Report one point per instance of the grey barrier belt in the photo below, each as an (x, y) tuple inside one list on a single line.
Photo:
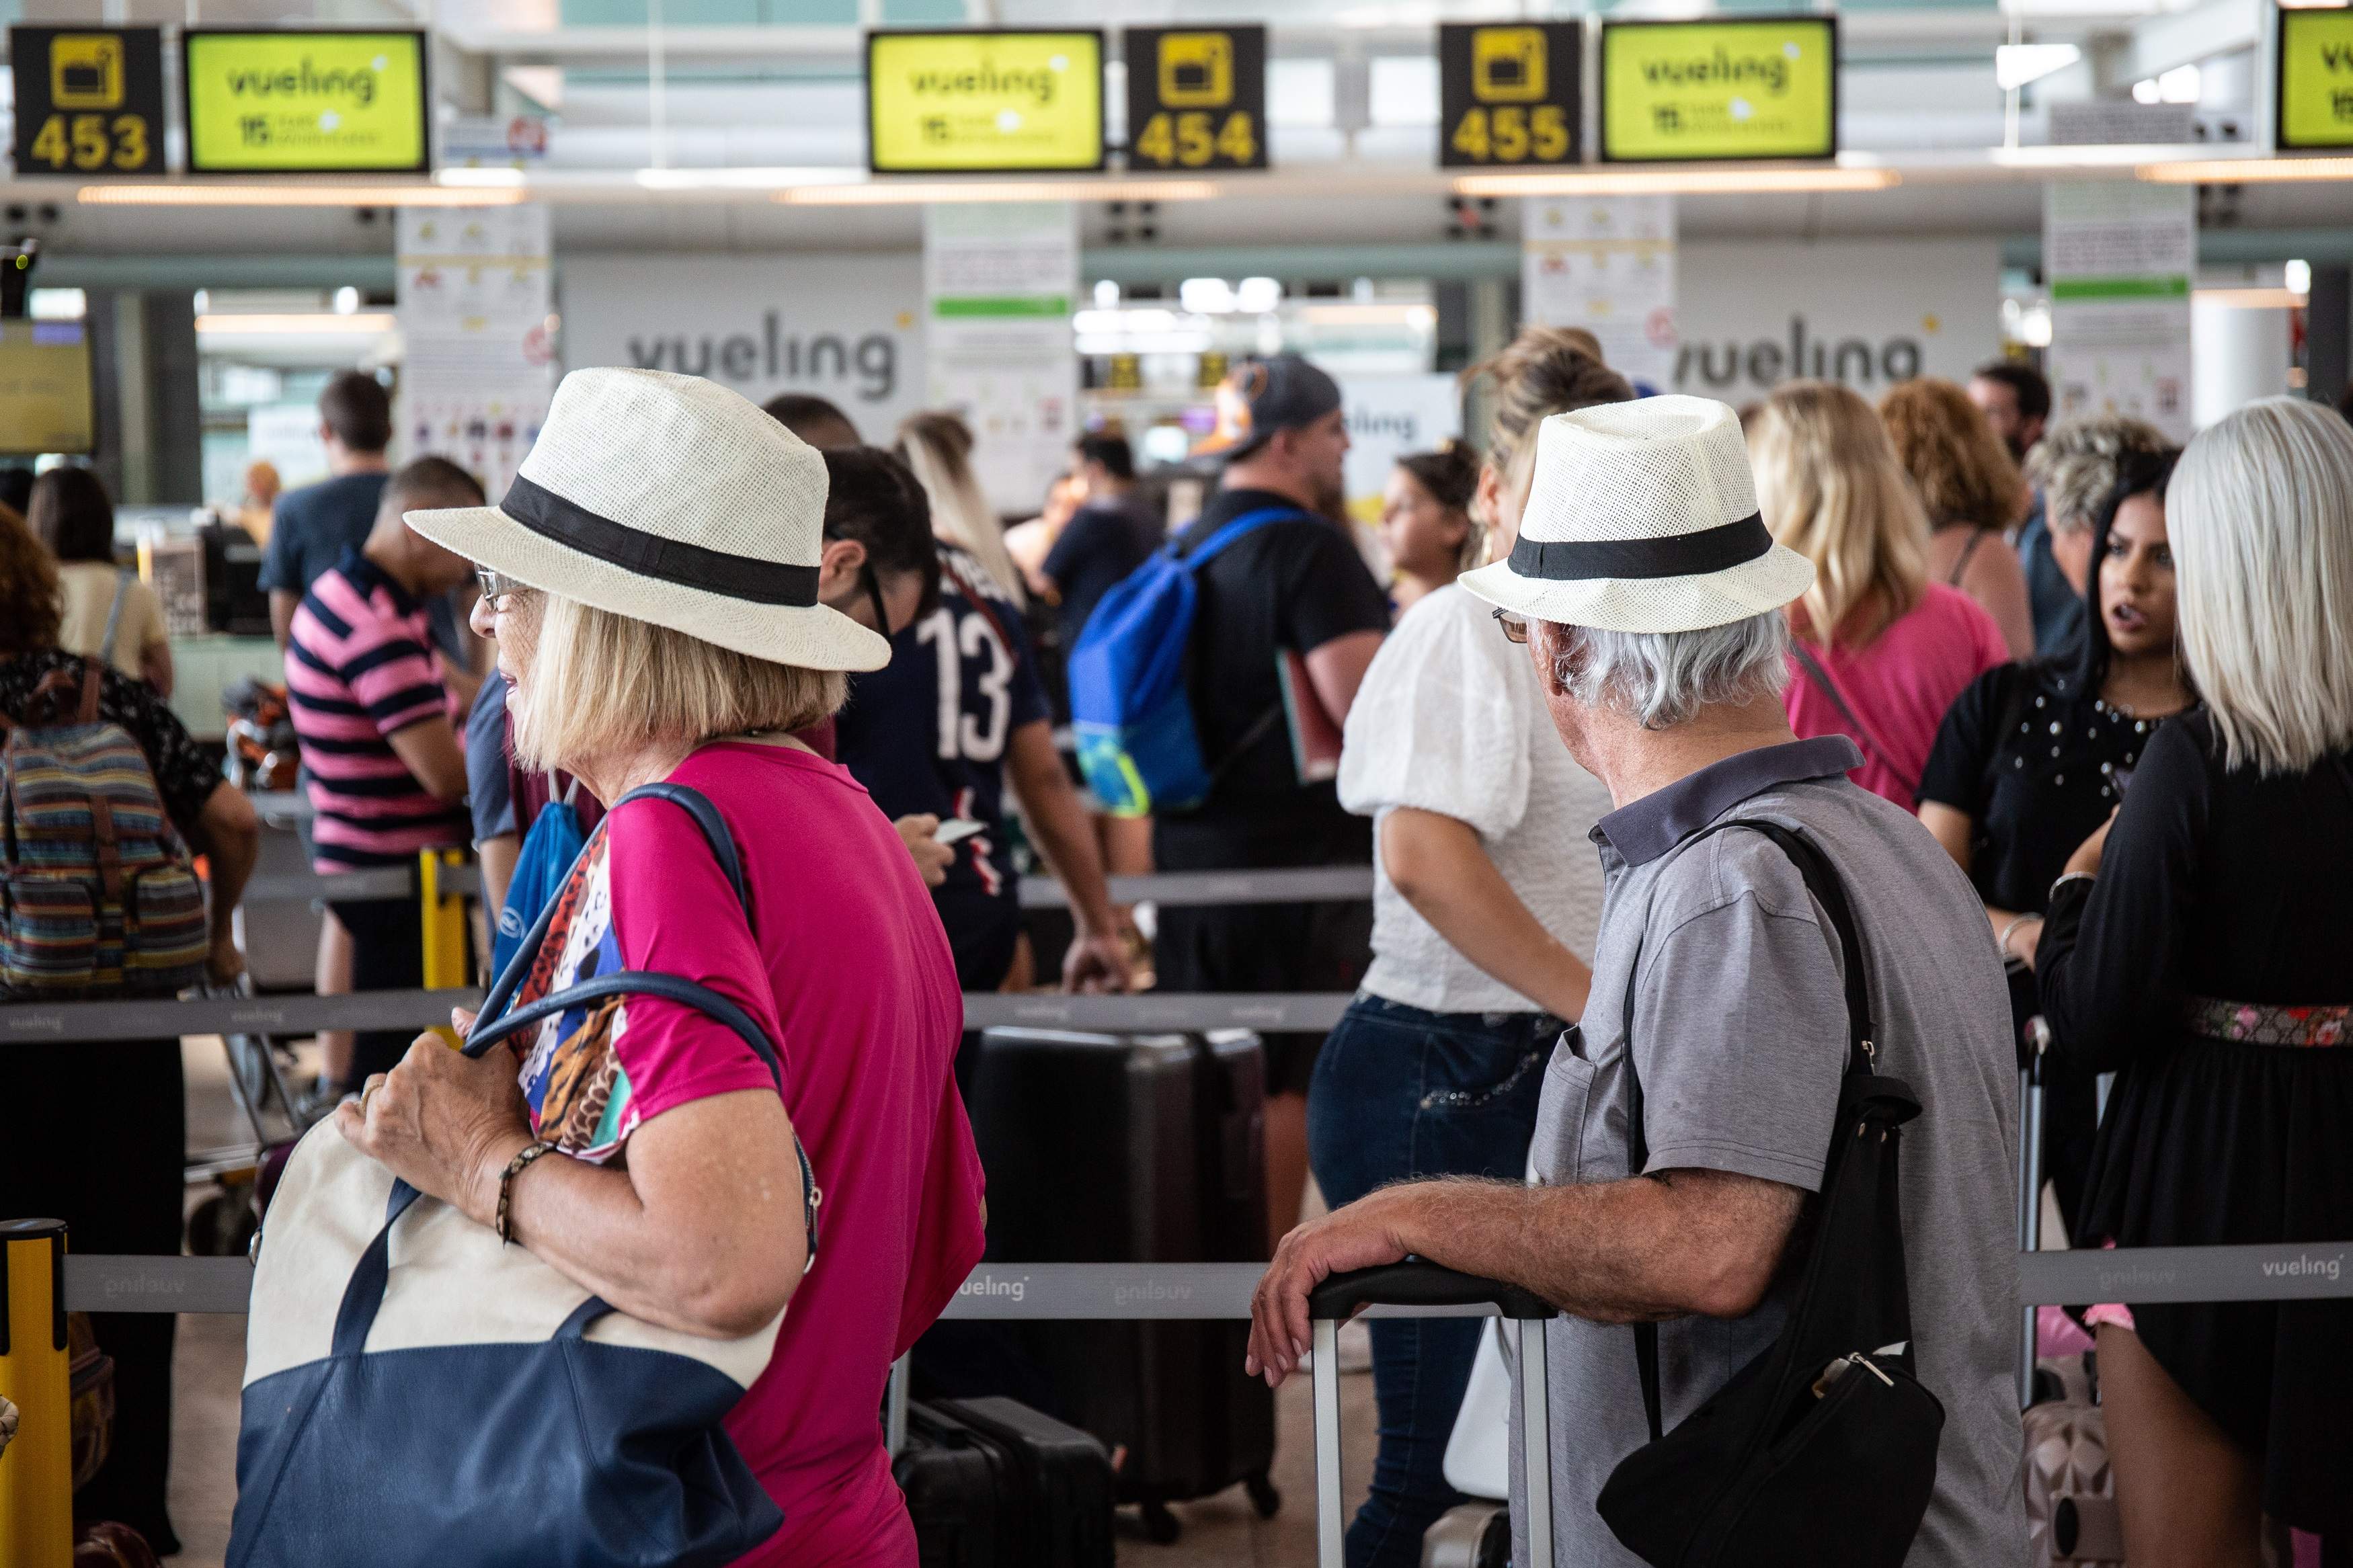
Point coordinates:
[(1309, 885), (61, 1022), (110, 1283)]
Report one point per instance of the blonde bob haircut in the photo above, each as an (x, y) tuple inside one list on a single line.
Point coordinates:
[(2260, 515), (1830, 488), (601, 685)]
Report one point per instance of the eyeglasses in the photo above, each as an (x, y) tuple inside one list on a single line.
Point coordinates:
[(497, 588), (1514, 628)]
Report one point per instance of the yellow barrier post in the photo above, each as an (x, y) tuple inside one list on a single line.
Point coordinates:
[(36, 1470), (446, 935)]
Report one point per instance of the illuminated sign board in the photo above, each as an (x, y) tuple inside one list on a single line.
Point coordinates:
[(1195, 98), (305, 103), (46, 403), (1507, 93), (2315, 78), (984, 103), (1755, 88), (90, 100)]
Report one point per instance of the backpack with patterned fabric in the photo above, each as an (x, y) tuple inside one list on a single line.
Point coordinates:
[(96, 896)]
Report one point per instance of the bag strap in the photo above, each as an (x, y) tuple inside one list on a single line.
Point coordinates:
[(1231, 534), (1822, 881), (122, 580), (1821, 679), (1961, 563)]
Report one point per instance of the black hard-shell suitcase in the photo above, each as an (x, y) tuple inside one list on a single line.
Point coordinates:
[(1136, 1148), (991, 1483)]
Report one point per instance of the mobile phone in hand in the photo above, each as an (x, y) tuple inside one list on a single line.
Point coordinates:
[(956, 830)]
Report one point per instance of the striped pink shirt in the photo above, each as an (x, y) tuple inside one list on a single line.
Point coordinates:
[(359, 669)]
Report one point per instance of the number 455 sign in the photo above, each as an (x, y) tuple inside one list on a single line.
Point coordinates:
[(1507, 93), (90, 101)]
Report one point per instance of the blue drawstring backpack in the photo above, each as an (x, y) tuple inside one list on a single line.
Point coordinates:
[(545, 860), (1129, 710)]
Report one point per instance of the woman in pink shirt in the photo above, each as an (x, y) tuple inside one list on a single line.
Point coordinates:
[(1879, 651), (674, 1191)]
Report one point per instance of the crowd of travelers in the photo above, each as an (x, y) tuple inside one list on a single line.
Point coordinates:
[(2066, 711)]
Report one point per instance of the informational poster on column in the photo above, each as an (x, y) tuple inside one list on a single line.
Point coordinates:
[(1391, 416), (1606, 264), (998, 282), (478, 328), (2119, 257)]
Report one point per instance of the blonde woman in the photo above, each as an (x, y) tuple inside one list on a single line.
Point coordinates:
[(1880, 650), (938, 446), (1426, 523), (1485, 901), (2208, 962), (1971, 490)]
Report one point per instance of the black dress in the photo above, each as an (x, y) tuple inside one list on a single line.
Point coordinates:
[(2035, 759), (96, 1135), (2227, 1125)]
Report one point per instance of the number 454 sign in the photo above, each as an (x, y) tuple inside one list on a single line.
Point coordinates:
[(90, 101), (1195, 98), (1507, 93)]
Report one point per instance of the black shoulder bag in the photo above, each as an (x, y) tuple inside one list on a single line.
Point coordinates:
[(1821, 1452)]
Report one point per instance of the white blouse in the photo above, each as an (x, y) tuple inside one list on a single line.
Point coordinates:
[(1450, 719)]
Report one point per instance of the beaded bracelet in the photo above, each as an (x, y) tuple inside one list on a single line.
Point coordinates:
[(503, 1223)]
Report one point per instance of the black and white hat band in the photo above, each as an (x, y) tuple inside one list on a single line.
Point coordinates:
[(570, 524), (1675, 556)]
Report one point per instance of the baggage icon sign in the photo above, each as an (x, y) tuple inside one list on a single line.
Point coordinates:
[(1197, 70), (1507, 65), (85, 70)]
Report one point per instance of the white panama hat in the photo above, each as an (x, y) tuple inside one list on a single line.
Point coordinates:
[(1642, 517), (670, 499)]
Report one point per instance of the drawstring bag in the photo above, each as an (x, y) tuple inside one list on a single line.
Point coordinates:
[(542, 867), (417, 1393)]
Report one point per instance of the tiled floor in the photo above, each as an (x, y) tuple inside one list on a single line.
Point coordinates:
[(1223, 1530)]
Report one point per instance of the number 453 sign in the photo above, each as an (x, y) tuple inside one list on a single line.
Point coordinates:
[(1197, 97), (90, 101), (1507, 93)]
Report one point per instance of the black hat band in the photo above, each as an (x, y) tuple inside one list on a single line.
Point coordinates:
[(570, 524), (1676, 555)]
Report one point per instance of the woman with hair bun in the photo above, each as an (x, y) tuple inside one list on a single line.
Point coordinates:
[(1426, 523), (1485, 900)]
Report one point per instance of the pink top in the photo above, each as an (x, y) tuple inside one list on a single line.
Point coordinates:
[(851, 974), (1899, 686)]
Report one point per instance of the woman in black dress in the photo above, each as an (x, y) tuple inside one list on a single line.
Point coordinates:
[(96, 1134), (2201, 946), (2033, 756)]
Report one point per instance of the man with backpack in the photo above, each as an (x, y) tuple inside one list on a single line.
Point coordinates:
[(1284, 617)]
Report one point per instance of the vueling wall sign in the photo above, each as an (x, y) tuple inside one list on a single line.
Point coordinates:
[(1751, 89), (977, 103), (305, 102)]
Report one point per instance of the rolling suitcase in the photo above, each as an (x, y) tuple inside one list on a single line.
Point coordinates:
[(991, 1483), (1419, 1284), (1470, 1535), (1135, 1149)]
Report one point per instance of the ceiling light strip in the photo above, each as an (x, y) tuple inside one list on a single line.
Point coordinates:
[(2246, 171), (1678, 182), (905, 193), (298, 196)]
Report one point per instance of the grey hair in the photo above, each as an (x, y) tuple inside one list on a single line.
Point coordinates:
[(1661, 679)]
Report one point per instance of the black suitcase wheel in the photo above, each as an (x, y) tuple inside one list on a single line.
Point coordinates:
[(1160, 1526), (222, 1225), (1262, 1495)]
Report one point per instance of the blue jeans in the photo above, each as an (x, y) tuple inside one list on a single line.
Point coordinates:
[(1402, 1092)]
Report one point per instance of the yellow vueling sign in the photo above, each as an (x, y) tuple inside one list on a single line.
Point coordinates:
[(2315, 78), (306, 102), (1749, 88), (984, 103)]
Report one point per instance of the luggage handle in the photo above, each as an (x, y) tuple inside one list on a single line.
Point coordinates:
[(1416, 1283)]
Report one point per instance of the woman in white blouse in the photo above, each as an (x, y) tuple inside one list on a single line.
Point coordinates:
[(1486, 900)]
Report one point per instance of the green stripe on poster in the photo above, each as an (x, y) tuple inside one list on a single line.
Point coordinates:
[(1010, 305), (2174, 287)]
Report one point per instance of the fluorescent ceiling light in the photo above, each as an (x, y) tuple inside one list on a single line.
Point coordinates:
[(292, 194), (909, 192), (2297, 276), (2246, 171), (2015, 65), (744, 179), (311, 324), (1684, 181), (2250, 299), (480, 178)]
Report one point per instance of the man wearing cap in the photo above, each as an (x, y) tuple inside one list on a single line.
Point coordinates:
[(1650, 597), (1286, 622)]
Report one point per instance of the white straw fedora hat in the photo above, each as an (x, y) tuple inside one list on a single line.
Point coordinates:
[(1642, 517), (670, 498)]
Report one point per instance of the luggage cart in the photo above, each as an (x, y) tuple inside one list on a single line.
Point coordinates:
[(224, 1223)]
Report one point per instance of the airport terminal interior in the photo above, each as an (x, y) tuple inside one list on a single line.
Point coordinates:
[(1440, 783)]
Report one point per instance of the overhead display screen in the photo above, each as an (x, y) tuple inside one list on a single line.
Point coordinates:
[(305, 103), (45, 388), (1195, 98), (90, 100), (2315, 78), (984, 103), (1756, 88), (1507, 93)]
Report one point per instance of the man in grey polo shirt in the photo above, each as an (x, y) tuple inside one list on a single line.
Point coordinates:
[(1650, 596)]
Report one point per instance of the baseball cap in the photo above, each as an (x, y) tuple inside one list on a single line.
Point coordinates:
[(1261, 397)]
